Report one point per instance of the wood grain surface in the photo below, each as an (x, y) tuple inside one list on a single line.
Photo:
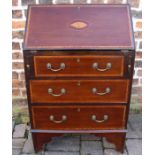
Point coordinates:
[(108, 27), (79, 66), (79, 91), (78, 117)]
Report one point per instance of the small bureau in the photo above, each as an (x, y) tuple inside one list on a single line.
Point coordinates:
[(79, 62)]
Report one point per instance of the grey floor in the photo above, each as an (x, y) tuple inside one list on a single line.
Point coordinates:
[(79, 144)]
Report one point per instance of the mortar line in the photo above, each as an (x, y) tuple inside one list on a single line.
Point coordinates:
[(91, 140), (80, 146), (133, 138), (126, 148), (102, 145)]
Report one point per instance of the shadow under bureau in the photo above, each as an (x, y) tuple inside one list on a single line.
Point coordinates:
[(79, 63)]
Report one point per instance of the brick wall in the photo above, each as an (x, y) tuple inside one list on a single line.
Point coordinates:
[(19, 10)]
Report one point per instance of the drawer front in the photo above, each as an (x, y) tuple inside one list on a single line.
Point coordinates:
[(78, 66), (78, 117), (84, 91)]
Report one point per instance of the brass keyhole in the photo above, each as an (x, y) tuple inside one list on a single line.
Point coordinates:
[(78, 110), (28, 66), (78, 84), (78, 60)]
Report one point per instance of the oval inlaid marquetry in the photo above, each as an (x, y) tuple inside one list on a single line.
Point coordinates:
[(79, 25)]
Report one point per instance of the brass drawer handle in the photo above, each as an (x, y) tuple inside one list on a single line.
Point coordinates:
[(108, 66), (105, 118), (62, 92), (49, 66), (64, 118), (107, 91)]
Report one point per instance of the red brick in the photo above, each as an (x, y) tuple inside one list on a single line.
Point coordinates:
[(139, 24), (17, 14), (80, 1), (18, 34), (138, 34), (22, 76), (18, 24), (17, 65), (114, 2), (17, 55), (138, 54), (24, 92), (14, 75), (14, 2), (17, 84), (134, 3), (139, 73), (15, 46), (15, 92)]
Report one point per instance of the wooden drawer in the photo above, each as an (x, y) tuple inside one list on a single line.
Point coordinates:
[(78, 117), (79, 66), (84, 91)]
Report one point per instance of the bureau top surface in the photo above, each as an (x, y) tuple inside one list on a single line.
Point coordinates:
[(78, 27)]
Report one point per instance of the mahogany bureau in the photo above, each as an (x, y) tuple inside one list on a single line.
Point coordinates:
[(79, 63)]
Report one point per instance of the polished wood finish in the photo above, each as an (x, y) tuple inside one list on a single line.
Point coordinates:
[(78, 117), (91, 34), (79, 91), (108, 27), (78, 65)]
